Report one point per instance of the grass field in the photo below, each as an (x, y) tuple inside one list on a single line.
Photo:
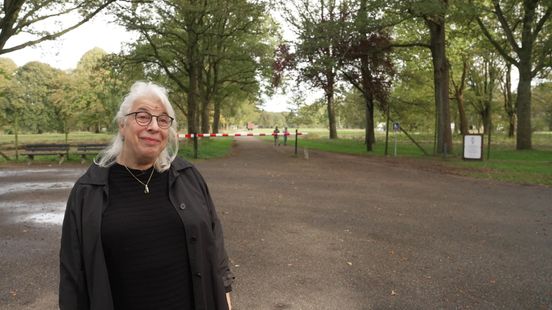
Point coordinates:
[(208, 148), (505, 163)]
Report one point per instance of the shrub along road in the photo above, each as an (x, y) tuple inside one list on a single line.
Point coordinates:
[(331, 232)]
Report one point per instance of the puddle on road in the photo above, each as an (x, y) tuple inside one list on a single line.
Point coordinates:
[(34, 186), (56, 172), (44, 218), (28, 210), (34, 212)]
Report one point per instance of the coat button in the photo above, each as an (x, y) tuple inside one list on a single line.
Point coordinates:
[(182, 206), (198, 274), (194, 238)]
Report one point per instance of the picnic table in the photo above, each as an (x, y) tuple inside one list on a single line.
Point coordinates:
[(31, 150), (85, 149)]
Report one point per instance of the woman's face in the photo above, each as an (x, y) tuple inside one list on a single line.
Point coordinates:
[(143, 144)]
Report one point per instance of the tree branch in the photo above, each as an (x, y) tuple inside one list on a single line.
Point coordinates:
[(55, 34), (499, 48), (413, 44), (504, 23), (541, 22)]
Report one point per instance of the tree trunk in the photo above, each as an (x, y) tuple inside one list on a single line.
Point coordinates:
[(216, 116), (485, 118), (441, 83), (509, 106), (198, 115), (193, 91), (370, 137), (194, 67), (523, 104), (331, 109), (459, 96), (205, 116), (216, 96), (461, 113)]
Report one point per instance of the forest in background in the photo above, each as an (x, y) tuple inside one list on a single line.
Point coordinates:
[(431, 65)]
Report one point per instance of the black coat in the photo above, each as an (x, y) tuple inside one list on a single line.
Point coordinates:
[(84, 282)]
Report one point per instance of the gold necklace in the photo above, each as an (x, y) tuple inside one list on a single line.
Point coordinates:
[(146, 188)]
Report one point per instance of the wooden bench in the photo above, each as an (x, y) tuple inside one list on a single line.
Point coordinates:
[(61, 150), (89, 149)]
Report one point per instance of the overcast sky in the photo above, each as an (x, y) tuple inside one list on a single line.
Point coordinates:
[(65, 52)]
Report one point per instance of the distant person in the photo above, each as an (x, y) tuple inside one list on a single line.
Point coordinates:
[(140, 229), (286, 134), (275, 134)]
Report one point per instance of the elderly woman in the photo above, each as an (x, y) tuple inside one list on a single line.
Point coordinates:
[(140, 229)]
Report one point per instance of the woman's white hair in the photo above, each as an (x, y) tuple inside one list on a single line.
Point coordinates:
[(139, 90)]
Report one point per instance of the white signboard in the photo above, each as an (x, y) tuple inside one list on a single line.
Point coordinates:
[(473, 147)]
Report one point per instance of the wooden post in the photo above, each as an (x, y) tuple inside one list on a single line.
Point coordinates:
[(195, 145), (66, 137), (387, 130), (16, 137), (296, 138)]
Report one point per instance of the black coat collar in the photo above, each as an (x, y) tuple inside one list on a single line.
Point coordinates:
[(96, 175)]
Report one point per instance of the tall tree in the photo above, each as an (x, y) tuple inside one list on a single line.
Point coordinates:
[(29, 17), (509, 102), (370, 72), (37, 81), (521, 32), (435, 20), (367, 64), (463, 39), (319, 26), (236, 57), (434, 15), (483, 79), (202, 47), (458, 88), (8, 89), (93, 92)]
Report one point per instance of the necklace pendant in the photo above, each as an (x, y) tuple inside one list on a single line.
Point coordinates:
[(146, 189)]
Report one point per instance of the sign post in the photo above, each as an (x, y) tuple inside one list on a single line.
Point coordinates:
[(396, 127), (473, 147)]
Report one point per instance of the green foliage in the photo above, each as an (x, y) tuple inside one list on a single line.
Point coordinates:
[(40, 98), (238, 113), (214, 53), (94, 93), (270, 119), (7, 86), (313, 115), (30, 98), (520, 32), (411, 100), (350, 110), (542, 108)]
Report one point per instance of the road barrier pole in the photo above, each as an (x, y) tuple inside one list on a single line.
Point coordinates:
[(296, 138), (195, 145)]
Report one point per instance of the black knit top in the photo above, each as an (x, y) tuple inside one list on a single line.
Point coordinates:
[(145, 244)]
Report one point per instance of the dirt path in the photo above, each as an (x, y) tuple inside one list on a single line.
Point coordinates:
[(334, 232)]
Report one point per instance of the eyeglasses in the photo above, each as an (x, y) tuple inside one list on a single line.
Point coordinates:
[(144, 118)]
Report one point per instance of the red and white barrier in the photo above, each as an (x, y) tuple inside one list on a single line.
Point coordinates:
[(247, 134)]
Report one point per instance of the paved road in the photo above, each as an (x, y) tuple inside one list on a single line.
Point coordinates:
[(330, 232)]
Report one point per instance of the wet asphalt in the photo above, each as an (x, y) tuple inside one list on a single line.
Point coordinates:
[(330, 232)]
